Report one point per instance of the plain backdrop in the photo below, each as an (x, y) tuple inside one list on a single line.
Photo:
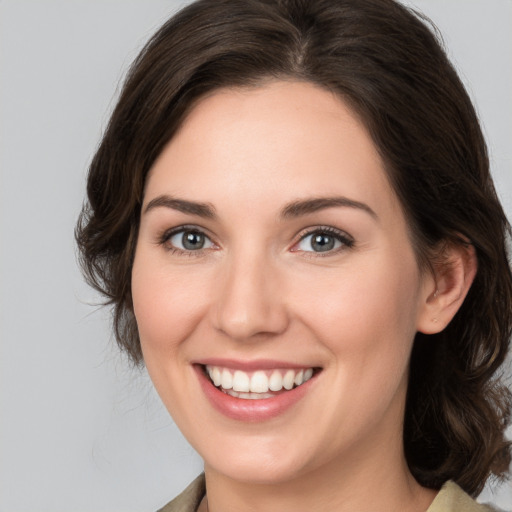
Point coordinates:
[(80, 430)]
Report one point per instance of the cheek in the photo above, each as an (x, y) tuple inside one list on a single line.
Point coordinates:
[(365, 314), (167, 305), (366, 320)]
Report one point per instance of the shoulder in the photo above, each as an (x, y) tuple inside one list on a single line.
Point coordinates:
[(451, 498), (189, 499)]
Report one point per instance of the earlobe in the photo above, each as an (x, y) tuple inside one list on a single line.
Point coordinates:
[(444, 293)]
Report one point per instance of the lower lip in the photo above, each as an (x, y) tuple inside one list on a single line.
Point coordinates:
[(251, 410)]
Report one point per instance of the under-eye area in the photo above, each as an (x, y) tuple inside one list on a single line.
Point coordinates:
[(259, 384)]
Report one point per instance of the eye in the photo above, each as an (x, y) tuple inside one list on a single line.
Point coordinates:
[(324, 240), (187, 240)]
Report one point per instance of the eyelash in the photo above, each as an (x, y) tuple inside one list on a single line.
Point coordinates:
[(167, 235), (347, 242)]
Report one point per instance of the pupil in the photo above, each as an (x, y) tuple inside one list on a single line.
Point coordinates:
[(322, 243), (193, 240)]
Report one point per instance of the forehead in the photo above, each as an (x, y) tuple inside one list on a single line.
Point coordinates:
[(259, 144)]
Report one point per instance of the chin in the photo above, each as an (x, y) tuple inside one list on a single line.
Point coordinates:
[(257, 470), (257, 460)]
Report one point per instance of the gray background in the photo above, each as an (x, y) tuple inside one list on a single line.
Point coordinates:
[(79, 429)]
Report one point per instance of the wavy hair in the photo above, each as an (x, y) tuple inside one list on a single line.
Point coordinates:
[(387, 63)]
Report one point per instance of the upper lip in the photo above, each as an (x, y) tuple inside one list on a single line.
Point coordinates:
[(252, 365)]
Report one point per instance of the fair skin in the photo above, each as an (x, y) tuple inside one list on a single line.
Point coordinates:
[(263, 285)]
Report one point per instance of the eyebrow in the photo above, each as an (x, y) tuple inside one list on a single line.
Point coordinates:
[(306, 206), (294, 209), (205, 210)]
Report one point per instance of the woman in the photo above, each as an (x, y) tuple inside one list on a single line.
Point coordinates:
[(292, 214)]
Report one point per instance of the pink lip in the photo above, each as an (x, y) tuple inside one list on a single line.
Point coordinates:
[(249, 366), (250, 410)]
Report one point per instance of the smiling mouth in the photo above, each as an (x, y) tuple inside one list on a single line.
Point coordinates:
[(259, 384)]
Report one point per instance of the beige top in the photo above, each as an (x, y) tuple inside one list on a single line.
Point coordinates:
[(451, 498)]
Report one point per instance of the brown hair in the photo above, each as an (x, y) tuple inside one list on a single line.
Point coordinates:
[(387, 64)]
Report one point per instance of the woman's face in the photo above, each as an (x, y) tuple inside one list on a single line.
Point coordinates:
[(273, 252)]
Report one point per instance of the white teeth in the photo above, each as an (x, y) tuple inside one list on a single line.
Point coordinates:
[(276, 381), (259, 384), (216, 376), (289, 379), (240, 381), (227, 379)]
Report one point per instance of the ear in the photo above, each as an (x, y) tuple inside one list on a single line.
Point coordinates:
[(446, 288)]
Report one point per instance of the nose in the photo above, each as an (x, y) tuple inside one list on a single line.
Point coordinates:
[(250, 303)]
